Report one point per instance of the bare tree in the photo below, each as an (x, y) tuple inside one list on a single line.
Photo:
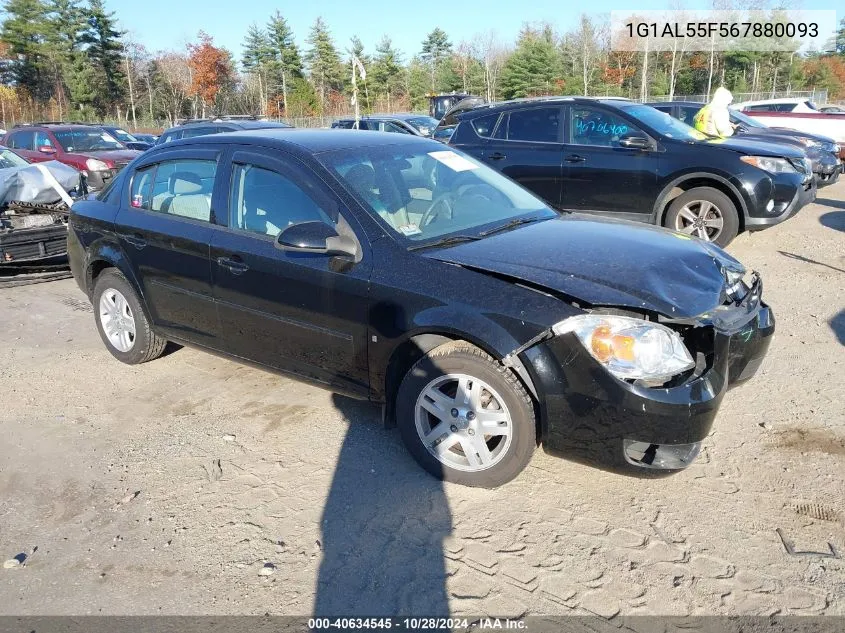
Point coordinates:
[(465, 54), (175, 78), (585, 44), (494, 54)]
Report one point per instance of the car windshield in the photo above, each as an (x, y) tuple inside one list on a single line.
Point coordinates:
[(737, 116), (663, 123), (122, 135), (86, 140), (424, 123), (9, 159), (423, 193)]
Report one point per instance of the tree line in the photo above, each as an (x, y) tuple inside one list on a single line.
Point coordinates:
[(69, 60)]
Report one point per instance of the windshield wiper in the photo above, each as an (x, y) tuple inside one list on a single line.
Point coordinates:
[(509, 225), (446, 241)]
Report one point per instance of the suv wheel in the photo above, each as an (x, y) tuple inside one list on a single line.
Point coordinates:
[(465, 418), (122, 322), (706, 213)]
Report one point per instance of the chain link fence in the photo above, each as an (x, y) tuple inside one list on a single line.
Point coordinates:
[(816, 96)]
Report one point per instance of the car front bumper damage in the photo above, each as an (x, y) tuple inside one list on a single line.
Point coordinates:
[(589, 415)]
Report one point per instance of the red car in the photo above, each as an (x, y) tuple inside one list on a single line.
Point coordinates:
[(88, 148)]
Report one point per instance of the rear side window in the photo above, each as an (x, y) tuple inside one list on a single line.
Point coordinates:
[(687, 114), (22, 140), (171, 136), (537, 124), (266, 202), (199, 131), (141, 192), (180, 187), (484, 125)]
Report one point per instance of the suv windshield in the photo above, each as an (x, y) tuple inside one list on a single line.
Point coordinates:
[(9, 159), (427, 194), (743, 118), (663, 123), (86, 140)]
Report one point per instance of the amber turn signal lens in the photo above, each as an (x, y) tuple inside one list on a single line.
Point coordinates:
[(605, 345)]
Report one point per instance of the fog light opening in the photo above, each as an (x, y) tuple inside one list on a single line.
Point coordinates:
[(660, 456)]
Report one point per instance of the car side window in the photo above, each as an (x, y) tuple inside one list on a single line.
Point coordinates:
[(687, 114), (22, 140), (42, 140), (484, 125), (535, 124), (141, 191), (183, 187), (266, 202), (389, 126), (597, 127)]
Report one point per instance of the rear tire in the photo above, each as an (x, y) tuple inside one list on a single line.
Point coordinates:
[(706, 213), (122, 322), (465, 418)]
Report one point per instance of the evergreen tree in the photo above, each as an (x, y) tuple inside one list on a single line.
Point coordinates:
[(23, 31), (324, 66), (257, 49), (436, 50), (534, 68), (102, 39), (69, 64), (286, 63), (387, 74)]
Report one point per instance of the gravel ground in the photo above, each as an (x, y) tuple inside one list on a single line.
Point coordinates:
[(194, 485)]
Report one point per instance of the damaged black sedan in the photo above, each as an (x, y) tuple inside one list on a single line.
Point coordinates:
[(392, 269)]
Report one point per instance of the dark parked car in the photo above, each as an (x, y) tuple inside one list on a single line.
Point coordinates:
[(627, 160), (390, 268), (403, 123), (129, 141), (438, 105), (146, 138), (88, 148), (216, 126), (822, 151)]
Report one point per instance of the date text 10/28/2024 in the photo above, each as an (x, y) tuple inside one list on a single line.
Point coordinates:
[(416, 624)]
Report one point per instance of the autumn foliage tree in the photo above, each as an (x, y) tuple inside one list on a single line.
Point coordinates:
[(211, 69)]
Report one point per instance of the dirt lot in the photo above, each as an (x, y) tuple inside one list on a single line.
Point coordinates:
[(165, 488)]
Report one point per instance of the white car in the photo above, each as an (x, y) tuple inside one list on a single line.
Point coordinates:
[(796, 114), (794, 104)]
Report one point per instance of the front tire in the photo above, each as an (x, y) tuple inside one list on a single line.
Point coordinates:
[(465, 418), (122, 322), (706, 213)]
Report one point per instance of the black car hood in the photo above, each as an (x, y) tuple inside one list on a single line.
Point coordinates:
[(605, 263), (756, 148)]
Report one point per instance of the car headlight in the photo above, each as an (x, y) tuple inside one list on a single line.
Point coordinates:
[(630, 348), (95, 165), (770, 164)]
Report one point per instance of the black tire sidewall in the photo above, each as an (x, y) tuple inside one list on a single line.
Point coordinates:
[(143, 334), (716, 197), (523, 440)]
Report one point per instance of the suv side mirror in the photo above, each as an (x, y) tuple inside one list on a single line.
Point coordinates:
[(635, 142), (315, 237), (46, 149)]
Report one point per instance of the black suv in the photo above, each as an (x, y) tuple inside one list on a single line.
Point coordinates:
[(394, 269), (822, 151), (214, 126), (627, 160)]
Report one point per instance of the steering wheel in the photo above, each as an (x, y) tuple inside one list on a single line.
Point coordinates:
[(444, 201)]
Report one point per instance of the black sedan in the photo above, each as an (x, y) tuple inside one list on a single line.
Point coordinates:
[(822, 151), (393, 269), (129, 141)]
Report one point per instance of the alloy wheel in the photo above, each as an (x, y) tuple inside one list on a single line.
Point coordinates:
[(463, 422), (117, 320), (700, 218)]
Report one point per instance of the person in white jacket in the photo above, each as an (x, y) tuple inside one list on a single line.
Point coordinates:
[(714, 118)]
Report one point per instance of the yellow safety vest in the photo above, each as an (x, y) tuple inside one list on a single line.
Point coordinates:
[(703, 122)]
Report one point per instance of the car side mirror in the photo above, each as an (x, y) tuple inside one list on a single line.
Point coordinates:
[(635, 142), (315, 237), (46, 149)]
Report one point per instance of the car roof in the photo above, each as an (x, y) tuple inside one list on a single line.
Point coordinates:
[(500, 106), (795, 100), (308, 141), (235, 125), (655, 104)]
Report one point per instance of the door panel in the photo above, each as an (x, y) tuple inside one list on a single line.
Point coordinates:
[(164, 227), (527, 148), (601, 176), (300, 312)]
